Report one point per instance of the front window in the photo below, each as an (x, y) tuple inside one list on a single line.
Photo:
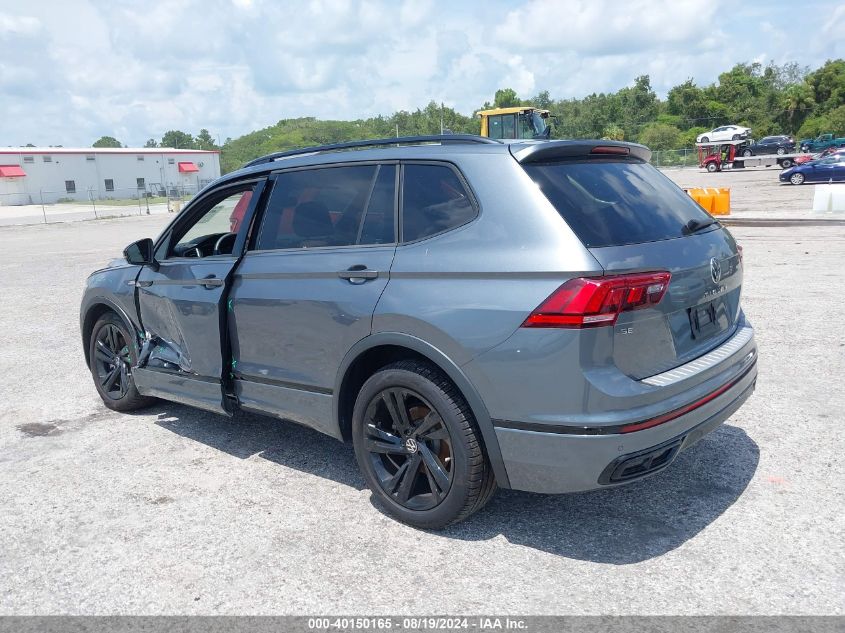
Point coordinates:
[(531, 125), (211, 233)]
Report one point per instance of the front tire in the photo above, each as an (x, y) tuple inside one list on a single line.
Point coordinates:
[(111, 356), (747, 152), (735, 137), (419, 447), (797, 178), (781, 151), (705, 139), (711, 167)]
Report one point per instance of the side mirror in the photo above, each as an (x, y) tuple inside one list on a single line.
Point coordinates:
[(140, 253)]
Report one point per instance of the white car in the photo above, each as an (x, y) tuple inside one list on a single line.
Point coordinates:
[(724, 133)]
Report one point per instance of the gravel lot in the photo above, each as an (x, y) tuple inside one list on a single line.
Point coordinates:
[(178, 511), (755, 192)]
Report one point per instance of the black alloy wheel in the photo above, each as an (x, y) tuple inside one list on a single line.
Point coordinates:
[(409, 448), (112, 361), (111, 356), (419, 447)]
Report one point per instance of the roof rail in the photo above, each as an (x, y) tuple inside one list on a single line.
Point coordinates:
[(377, 142)]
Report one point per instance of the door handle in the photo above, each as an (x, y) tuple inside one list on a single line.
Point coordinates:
[(357, 274), (211, 282)]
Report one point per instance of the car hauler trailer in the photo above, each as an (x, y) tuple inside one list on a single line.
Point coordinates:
[(729, 155)]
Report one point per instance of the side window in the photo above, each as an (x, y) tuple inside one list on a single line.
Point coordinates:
[(526, 127), (379, 220), (325, 207), (221, 216), (509, 126), (433, 200), (494, 126)]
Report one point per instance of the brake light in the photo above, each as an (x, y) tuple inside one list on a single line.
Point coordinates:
[(596, 301), (610, 149)]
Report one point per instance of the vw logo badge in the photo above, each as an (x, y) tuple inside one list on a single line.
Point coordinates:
[(715, 270), (411, 445)]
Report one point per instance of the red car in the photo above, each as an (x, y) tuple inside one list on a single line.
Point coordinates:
[(830, 151)]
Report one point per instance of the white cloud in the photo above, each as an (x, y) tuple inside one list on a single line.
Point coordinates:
[(71, 72), (607, 26)]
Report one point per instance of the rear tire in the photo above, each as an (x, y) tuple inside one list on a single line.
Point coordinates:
[(781, 151), (419, 447), (786, 163), (747, 152), (735, 137), (111, 356), (797, 178)]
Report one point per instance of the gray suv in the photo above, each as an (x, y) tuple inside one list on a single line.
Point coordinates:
[(551, 316)]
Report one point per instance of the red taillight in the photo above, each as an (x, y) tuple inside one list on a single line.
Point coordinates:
[(595, 301)]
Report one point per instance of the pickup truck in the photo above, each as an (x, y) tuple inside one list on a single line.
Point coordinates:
[(822, 142)]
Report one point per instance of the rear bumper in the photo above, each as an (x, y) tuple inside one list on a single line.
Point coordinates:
[(555, 462)]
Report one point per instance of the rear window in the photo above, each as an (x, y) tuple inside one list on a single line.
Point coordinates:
[(611, 203)]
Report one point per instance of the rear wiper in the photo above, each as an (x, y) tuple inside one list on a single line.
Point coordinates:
[(694, 226)]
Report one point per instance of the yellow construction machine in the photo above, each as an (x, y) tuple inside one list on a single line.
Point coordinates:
[(519, 122)]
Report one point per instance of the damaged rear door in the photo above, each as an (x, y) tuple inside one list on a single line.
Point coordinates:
[(182, 299)]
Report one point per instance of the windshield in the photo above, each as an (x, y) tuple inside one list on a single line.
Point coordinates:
[(531, 125), (539, 123)]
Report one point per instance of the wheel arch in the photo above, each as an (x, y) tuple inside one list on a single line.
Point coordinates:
[(375, 351), (96, 308)]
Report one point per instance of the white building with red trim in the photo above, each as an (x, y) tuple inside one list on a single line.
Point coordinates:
[(32, 175)]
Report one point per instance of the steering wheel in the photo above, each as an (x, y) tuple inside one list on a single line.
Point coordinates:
[(225, 241)]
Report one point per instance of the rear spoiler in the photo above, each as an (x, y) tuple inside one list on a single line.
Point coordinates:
[(541, 151)]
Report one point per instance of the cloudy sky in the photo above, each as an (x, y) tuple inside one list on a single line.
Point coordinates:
[(71, 71)]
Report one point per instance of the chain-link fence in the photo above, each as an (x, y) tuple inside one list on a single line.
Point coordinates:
[(679, 158), (45, 206)]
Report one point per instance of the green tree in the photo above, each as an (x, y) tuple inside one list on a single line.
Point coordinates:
[(151, 142), (204, 140), (107, 141), (506, 98), (177, 139), (828, 85), (658, 136), (613, 133), (638, 104), (542, 100), (688, 102), (797, 102)]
